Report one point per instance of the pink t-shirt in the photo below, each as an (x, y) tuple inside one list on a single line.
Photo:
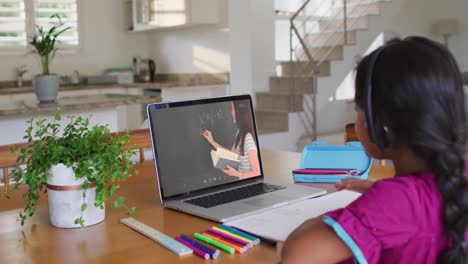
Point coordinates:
[(398, 220)]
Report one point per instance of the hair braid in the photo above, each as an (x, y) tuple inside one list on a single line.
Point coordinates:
[(449, 166)]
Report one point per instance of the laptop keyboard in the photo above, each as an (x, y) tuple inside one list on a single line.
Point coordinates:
[(234, 195)]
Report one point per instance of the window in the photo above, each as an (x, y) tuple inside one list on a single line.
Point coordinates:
[(12, 23), (67, 10), (19, 17)]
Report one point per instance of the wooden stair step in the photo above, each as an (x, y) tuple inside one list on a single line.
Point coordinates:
[(337, 25), (271, 121), (279, 102), (358, 10), (330, 39), (358, 2), (284, 85), (271, 131), (304, 68), (322, 53)]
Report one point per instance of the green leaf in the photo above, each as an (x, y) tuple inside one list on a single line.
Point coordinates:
[(85, 186), (83, 207), (58, 117), (132, 210), (112, 188), (119, 202), (22, 218), (79, 221), (13, 149), (43, 41)]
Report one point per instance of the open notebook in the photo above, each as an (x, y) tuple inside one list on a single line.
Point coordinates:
[(278, 223)]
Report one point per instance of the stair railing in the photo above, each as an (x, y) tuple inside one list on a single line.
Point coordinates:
[(309, 62)]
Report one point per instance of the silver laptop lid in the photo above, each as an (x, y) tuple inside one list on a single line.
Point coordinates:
[(185, 136)]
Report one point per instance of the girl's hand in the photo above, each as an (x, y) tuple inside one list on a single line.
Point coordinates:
[(208, 136), (231, 171), (354, 184)]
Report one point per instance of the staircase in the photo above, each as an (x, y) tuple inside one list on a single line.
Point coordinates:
[(319, 38)]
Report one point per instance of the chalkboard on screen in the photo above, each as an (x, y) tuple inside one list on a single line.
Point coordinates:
[(182, 150)]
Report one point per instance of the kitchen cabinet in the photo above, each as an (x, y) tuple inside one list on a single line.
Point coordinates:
[(26, 97), (13, 128), (120, 117), (160, 14), (4, 99)]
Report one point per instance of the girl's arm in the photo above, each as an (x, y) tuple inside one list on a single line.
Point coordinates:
[(354, 184), (254, 163), (314, 242), (209, 137)]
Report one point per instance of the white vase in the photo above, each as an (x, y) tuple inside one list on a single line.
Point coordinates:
[(65, 196)]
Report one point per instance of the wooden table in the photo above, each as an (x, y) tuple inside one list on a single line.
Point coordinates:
[(112, 242)]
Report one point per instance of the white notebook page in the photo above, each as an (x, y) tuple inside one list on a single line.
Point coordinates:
[(278, 223)]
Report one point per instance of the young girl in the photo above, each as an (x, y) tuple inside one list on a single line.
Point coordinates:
[(244, 143), (410, 109)]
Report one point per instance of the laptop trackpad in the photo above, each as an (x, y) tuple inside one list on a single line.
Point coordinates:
[(266, 201)]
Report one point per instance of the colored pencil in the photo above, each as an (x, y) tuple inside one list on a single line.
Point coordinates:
[(237, 248), (196, 250), (214, 253), (255, 239), (214, 243), (231, 238), (233, 234)]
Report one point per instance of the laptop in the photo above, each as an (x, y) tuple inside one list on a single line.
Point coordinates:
[(188, 136)]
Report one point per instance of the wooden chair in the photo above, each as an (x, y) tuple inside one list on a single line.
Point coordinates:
[(139, 139), (350, 133), (8, 159)]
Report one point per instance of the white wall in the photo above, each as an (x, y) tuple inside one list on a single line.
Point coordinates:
[(252, 40), (104, 42), (196, 49), (240, 49), (417, 16), (263, 46), (199, 49), (242, 44)]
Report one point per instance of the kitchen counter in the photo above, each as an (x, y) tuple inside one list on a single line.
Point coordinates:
[(25, 108), (164, 81)]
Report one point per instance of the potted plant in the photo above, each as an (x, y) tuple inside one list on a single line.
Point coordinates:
[(44, 42), (80, 170)]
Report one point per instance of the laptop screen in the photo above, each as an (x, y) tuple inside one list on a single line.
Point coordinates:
[(204, 143)]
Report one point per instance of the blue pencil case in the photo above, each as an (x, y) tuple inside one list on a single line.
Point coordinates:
[(320, 155)]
